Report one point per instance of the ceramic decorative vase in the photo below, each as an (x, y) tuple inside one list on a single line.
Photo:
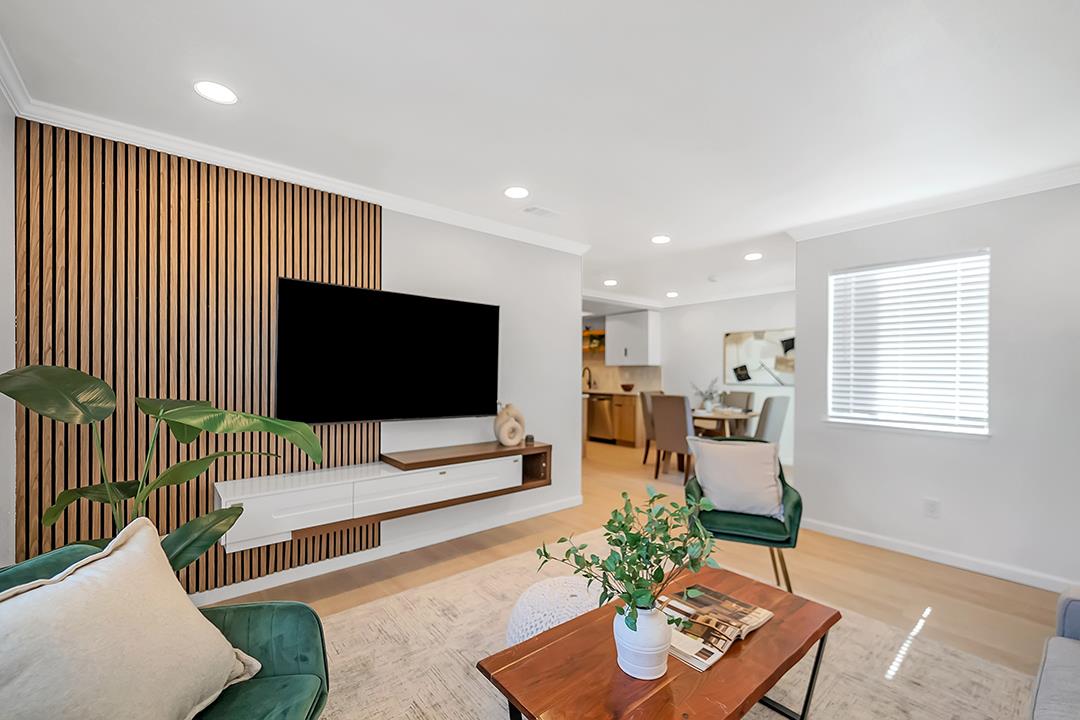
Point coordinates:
[(643, 653), (708, 405), (509, 425)]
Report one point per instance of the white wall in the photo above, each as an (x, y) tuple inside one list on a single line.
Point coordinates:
[(693, 348), (7, 331), (1008, 501), (538, 292)]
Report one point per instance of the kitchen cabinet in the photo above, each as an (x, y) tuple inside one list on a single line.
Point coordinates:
[(632, 338), (624, 409)]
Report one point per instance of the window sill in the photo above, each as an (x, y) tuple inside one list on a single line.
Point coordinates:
[(903, 429)]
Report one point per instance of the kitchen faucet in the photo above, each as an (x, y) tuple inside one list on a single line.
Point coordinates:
[(587, 370)]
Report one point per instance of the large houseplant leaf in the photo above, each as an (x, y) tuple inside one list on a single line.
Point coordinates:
[(199, 416), (186, 543), (94, 493), (158, 408), (59, 393), (187, 470)]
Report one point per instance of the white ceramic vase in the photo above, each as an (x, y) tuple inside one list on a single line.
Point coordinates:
[(643, 653), (708, 405)]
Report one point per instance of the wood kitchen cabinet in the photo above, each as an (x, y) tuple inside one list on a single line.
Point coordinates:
[(632, 338), (628, 420)]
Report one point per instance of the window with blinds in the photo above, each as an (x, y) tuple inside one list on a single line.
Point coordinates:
[(908, 345)]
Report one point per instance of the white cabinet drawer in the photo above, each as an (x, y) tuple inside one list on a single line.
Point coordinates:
[(371, 497), (272, 518)]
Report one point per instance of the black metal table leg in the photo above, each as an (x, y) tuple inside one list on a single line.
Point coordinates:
[(785, 710), (515, 714)]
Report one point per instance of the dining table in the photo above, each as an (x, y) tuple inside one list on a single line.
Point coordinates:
[(723, 417)]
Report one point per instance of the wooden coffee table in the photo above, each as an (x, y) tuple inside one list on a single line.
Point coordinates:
[(570, 671)]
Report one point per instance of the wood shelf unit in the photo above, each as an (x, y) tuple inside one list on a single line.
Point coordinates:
[(456, 454)]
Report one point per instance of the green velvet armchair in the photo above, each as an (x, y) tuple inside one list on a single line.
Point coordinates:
[(756, 529), (286, 637)]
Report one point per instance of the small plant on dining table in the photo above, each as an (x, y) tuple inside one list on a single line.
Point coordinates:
[(650, 548)]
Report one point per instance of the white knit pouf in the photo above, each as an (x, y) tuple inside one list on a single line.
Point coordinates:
[(549, 603)]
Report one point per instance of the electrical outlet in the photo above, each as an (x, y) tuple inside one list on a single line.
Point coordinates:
[(931, 508)]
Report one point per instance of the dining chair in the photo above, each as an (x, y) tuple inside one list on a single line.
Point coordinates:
[(646, 413), (770, 423), (672, 423), (777, 534), (742, 399)]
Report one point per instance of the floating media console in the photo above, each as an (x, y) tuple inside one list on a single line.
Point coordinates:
[(281, 507)]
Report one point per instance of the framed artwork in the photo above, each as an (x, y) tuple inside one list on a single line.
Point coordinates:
[(760, 357)]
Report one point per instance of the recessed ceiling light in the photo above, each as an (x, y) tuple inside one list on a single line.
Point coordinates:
[(611, 283), (660, 240), (215, 92), (672, 294), (516, 193), (752, 256)]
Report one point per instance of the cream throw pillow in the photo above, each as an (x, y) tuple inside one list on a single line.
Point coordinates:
[(742, 477), (113, 636)]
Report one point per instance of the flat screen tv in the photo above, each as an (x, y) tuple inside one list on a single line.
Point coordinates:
[(349, 354)]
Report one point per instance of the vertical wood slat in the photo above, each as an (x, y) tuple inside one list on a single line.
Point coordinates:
[(159, 275)]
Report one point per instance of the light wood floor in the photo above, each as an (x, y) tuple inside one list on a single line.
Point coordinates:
[(1001, 621)]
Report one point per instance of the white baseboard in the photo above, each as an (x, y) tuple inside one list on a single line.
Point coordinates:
[(945, 557), (412, 542)]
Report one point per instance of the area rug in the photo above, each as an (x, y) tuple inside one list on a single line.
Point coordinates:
[(413, 655)]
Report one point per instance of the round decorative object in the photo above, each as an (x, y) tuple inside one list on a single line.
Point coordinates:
[(509, 425), (643, 653), (627, 387), (549, 603), (509, 433)]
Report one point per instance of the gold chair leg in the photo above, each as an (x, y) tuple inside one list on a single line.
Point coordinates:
[(775, 569), (783, 568)]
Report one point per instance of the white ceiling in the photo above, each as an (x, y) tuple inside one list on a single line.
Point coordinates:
[(710, 121)]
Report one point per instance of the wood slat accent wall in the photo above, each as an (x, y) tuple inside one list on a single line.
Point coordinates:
[(158, 274)]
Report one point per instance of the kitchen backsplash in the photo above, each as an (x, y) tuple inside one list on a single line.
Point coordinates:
[(609, 378)]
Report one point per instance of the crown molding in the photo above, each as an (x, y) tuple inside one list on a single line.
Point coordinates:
[(641, 303), (11, 84), (631, 301), (1050, 180), (14, 91)]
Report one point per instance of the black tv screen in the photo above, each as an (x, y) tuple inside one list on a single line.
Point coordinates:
[(349, 354)]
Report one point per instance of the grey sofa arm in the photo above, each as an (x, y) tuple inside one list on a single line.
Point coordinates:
[(1068, 614)]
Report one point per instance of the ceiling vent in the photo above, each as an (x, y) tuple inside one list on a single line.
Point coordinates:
[(538, 211)]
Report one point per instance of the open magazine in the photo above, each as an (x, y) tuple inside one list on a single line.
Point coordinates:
[(716, 622)]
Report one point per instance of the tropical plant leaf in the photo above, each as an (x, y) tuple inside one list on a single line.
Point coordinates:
[(59, 393), (156, 408), (185, 544), (93, 493), (186, 470), (200, 416)]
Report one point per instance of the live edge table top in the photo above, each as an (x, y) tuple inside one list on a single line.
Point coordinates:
[(570, 671)]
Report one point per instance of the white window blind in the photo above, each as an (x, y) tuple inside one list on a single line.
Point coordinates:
[(908, 345)]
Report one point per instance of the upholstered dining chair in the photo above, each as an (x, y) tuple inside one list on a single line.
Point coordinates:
[(646, 413), (777, 534), (771, 421), (742, 399), (672, 423)]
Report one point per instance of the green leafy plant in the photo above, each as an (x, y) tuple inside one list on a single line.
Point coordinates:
[(71, 396), (650, 547)]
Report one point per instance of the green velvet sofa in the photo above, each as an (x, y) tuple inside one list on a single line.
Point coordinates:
[(286, 637)]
